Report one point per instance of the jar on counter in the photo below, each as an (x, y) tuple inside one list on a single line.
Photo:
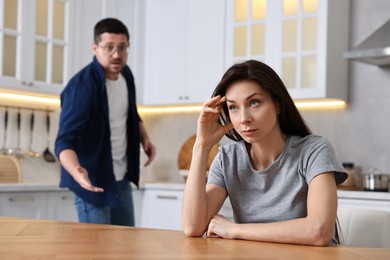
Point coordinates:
[(351, 181)]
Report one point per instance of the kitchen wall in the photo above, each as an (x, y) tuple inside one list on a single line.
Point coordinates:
[(360, 133)]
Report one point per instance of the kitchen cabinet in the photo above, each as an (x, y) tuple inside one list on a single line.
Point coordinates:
[(56, 205), (184, 50), (23, 204), (138, 195), (35, 44), (60, 206), (89, 12), (301, 40), (364, 200), (162, 208)]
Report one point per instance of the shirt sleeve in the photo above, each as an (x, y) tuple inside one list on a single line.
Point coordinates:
[(319, 157), (215, 174)]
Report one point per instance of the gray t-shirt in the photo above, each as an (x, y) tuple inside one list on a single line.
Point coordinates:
[(279, 192)]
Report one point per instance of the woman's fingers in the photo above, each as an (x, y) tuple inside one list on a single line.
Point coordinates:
[(214, 103)]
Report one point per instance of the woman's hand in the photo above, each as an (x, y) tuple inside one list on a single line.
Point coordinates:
[(209, 130), (220, 226)]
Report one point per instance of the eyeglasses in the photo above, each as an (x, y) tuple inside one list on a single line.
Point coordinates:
[(110, 50)]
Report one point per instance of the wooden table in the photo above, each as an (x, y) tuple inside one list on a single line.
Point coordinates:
[(42, 239)]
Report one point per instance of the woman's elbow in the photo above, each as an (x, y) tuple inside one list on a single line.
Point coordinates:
[(192, 231), (320, 236)]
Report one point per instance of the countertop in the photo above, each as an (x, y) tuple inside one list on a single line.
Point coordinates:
[(47, 239), (38, 175), (50, 185)]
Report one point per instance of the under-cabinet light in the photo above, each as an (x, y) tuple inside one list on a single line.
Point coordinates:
[(53, 101), (317, 104), (38, 99)]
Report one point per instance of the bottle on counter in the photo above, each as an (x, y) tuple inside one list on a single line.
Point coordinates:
[(351, 181)]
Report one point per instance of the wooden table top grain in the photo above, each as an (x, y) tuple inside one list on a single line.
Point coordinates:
[(47, 239)]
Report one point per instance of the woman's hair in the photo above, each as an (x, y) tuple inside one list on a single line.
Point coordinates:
[(109, 25), (290, 120)]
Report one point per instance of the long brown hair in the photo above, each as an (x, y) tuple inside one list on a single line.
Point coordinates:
[(290, 120)]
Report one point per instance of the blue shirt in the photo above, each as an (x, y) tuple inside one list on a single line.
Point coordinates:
[(84, 127)]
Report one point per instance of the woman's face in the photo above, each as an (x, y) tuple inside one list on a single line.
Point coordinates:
[(252, 111)]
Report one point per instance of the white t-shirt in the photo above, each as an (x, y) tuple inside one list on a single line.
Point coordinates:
[(118, 105)]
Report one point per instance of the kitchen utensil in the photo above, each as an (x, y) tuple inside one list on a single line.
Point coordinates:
[(47, 155), (185, 156), (19, 154), (6, 150), (376, 181), (30, 151), (9, 169)]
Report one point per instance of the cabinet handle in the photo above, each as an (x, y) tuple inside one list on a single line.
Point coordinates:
[(65, 197), (167, 197), (21, 199)]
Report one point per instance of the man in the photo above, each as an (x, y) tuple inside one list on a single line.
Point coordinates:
[(100, 131)]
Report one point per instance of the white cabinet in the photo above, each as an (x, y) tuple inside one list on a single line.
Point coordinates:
[(162, 209), (364, 200), (56, 205), (301, 40), (162, 206), (138, 195), (23, 204), (89, 12), (184, 50), (60, 206), (35, 47)]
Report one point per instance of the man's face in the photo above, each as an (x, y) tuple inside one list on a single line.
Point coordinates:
[(112, 52)]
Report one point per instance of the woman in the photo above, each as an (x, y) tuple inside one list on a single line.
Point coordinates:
[(280, 179)]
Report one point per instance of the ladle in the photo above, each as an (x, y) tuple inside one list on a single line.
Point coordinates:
[(18, 150), (30, 151), (47, 155), (4, 149)]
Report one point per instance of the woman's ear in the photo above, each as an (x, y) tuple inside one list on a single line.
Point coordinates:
[(277, 107)]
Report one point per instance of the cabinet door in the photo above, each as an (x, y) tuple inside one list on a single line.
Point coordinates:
[(10, 42), (301, 40), (35, 46), (88, 13), (248, 24), (24, 205), (364, 204), (138, 205), (165, 56), (162, 209), (313, 36), (205, 41), (184, 50), (60, 206)]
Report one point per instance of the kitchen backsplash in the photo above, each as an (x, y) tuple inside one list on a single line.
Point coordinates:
[(38, 139)]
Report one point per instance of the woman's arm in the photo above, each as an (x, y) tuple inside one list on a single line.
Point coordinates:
[(315, 229), (201, 203)]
